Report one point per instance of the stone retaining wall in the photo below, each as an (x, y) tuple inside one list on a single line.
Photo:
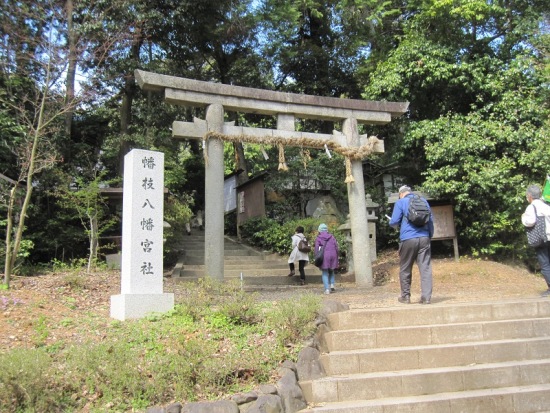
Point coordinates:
[(283, 397)]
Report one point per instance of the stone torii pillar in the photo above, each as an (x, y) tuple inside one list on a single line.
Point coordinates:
[(218, 98), (213, 183), (358, 213)]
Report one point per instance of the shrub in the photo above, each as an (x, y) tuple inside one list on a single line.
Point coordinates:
[(26, 383), (269, 234), (219, 340), (293, 318)]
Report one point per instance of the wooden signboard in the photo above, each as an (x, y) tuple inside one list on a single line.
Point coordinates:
[(444, 225)]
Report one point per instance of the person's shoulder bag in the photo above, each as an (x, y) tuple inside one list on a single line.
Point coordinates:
[(536, 235), (303, 245), (320, 254)]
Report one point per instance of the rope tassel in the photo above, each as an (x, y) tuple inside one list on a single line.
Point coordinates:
[(282, 162), (327, 151), (349, 175)]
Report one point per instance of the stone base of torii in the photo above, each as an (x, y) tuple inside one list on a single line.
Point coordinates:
[(218, 98)]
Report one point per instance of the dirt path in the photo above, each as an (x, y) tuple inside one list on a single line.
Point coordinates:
[(50, 309)]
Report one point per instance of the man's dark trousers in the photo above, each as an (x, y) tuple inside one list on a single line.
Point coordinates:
[(419, 250)]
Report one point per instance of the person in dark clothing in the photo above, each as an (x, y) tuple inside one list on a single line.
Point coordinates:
[(414, 245), (537, 207)]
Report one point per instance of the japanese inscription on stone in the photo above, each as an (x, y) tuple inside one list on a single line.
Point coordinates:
[(142, 222), (141, 283)]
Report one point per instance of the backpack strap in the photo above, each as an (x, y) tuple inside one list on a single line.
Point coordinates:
[(406, 211)]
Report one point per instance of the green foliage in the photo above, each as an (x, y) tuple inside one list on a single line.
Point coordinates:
[(449, 59), (293, 318), (21, 263), (177, 211), (83, 195), (477, 131), (219, 341), (23, 255), (74, 266), (485, 160), (231, 303), (24, 387), (74, 281), (50, 217), (41, 331), (272, 236), (309, 42)]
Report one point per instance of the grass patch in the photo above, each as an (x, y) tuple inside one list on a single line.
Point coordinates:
[(218, 341)]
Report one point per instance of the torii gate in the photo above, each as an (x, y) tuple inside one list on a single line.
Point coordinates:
[(218, 97)]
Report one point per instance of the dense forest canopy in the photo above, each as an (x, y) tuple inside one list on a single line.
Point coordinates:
[(476, 74)]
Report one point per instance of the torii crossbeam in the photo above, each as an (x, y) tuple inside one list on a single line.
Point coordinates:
[(218, 98)]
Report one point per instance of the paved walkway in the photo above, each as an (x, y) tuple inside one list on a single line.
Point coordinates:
[(454, 282)]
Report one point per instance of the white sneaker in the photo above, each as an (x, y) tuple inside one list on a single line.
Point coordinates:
[(332, 289), (327, 292)]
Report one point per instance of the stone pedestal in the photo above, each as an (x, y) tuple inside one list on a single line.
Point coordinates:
[(128, 306)]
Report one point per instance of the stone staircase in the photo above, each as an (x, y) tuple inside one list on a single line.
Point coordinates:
[(258, 268), (440, 358)]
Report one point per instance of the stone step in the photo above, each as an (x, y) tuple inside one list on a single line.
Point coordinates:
[(262, 280), (256, 266), (248, 272), (415, 357), (439, 314), (436, 334), (228, 245), (238, 252), (245, 265), (228, 259), (417, 382), (228, 250), (517, 399), (474, 357)]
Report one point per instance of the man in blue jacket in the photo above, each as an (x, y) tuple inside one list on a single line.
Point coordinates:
[(414, 245)]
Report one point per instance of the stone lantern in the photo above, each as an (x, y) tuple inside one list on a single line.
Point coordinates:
[(345, 228), (372, 219)]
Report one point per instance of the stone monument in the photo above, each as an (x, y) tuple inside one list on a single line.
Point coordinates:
[(141, 284)]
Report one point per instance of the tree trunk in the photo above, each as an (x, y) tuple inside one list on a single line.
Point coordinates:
[(128, 93), (30, 174), (94, 241), (71, 69), (7, 267)]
